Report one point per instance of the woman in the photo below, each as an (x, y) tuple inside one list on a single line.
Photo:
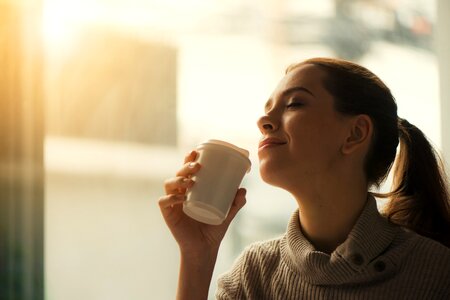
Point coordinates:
[(336, 130)]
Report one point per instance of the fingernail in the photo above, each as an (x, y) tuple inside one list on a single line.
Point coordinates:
[(192, 165)]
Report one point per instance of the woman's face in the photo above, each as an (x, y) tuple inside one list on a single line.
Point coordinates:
[(300, 113)]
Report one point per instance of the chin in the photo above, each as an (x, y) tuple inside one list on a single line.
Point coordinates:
[(271, 176)]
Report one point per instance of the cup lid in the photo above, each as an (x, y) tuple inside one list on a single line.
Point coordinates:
[(229, 145)]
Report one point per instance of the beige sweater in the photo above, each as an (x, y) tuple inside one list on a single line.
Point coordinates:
[(377, 261)]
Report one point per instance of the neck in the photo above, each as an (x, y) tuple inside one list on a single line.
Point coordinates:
[(327, 215)]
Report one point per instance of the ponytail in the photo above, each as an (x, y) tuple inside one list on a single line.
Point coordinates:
[(419, 199)]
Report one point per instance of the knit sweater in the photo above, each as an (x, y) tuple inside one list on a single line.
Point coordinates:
[(378, 260)]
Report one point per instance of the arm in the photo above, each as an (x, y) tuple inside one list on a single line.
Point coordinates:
[(195, 276), (198, 242)]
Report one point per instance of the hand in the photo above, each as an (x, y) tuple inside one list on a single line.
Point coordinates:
[(193, 237)]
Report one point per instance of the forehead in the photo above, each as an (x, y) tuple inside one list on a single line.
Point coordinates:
[(308, 76)]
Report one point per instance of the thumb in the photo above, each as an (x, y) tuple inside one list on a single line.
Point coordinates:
[(238, 203)]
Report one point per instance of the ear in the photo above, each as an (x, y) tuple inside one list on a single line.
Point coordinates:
[(359, 135)]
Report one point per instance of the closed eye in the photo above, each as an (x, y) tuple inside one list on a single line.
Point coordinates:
[(294, 104)]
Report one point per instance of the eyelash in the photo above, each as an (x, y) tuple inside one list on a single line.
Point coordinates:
[(294, 104)]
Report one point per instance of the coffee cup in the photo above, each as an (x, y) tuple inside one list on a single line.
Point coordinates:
[(223, 166)]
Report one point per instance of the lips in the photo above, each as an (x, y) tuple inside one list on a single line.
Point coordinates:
[(270, 142)]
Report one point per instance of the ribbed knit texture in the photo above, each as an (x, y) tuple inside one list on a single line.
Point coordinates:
[(377, 261)]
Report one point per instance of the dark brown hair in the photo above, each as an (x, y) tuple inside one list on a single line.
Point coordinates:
[(419, 199)]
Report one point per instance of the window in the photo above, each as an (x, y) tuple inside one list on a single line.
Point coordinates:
[(129, 87)]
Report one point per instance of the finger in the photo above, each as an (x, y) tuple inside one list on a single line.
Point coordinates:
[(238, 203), (190, 157), (169, 201), (189, 169), (178, 185)]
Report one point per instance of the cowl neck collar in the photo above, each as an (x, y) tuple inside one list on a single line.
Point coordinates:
[(362, 257)]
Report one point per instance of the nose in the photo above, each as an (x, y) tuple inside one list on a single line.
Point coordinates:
[(265, 124)]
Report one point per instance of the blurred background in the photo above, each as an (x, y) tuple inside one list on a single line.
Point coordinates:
[(102, 99)]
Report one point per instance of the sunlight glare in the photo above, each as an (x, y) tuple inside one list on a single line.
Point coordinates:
[(61, 19)]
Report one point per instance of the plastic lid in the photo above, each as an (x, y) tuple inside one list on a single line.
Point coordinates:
[(223, 143)]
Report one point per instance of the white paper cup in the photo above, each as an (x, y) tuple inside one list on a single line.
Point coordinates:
[(223, 166)]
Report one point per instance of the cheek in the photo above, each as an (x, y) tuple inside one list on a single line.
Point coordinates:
[(313, 139)]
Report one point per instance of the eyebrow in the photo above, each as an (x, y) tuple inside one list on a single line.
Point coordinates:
[(287, 92)]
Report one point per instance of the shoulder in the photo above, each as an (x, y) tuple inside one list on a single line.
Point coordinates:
[(429, 253), (255, 262), (258, 255), (261, 251), (426, 263)]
